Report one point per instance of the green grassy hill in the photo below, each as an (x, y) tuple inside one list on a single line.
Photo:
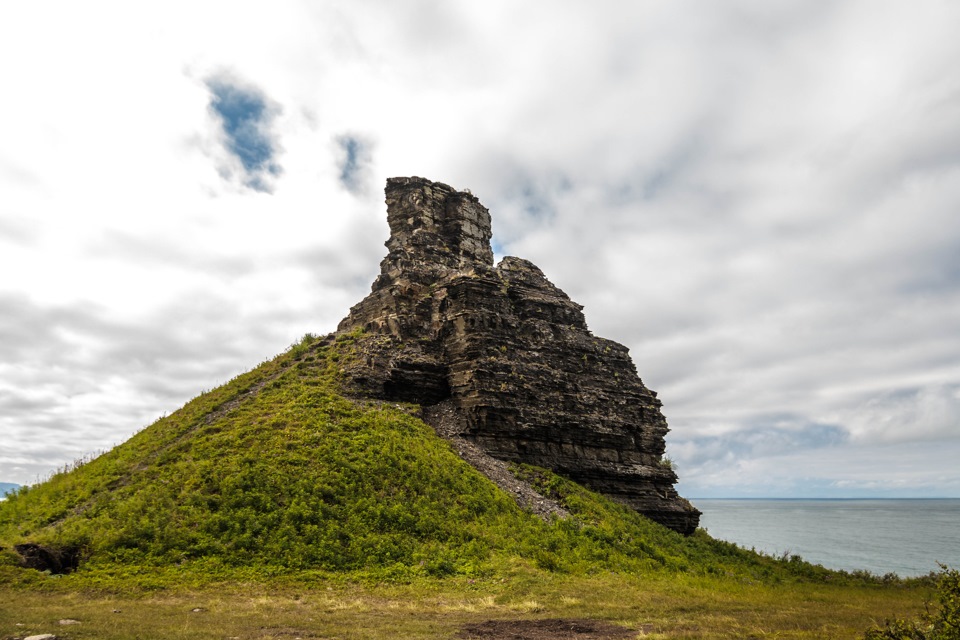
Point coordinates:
[(276, 471)]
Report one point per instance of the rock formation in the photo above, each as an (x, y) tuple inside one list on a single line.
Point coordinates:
[(503, 358), (55, 559)]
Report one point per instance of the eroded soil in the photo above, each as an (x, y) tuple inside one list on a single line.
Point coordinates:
[(554, 629)]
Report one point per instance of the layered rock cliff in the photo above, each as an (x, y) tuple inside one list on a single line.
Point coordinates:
[(504, 358)]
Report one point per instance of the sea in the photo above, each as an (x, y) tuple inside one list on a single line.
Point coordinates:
[(907, 537)]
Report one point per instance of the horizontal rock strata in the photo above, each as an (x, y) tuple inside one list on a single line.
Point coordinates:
[(508, 353)]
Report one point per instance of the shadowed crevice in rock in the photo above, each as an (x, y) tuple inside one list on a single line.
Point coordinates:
[(510, 355), (56, 560)]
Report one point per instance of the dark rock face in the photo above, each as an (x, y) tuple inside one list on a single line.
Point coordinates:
[(509, 352), (56, 560)]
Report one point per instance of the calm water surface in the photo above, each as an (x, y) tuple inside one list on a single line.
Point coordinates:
[(906, 537)]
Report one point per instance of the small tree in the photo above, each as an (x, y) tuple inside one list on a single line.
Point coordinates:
[(941, 625)]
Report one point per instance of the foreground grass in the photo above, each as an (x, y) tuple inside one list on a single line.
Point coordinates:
[(656, 606)]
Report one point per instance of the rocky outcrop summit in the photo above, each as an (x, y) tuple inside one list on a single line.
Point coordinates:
[(500, 357)]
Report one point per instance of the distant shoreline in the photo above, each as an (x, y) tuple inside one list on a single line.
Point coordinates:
[(905, 536), (7, 487)]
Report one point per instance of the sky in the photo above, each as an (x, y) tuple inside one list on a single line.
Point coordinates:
[(760, 199)]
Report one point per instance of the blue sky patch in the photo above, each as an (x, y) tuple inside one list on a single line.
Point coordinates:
[(246, 117), (354, 163)]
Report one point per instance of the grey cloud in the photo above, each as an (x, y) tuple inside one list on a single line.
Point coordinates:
[(10, 403), (759, 436), (524, 200), (843, 470), (168, 253), (719, 302), (931, 412), (347, 267), (16, 327), (189, 339), (427, 35), (28, 329), (14, 174), (353, 271), (535, 201), (937, 273), (18, 232), (88, 378), (33, 334)]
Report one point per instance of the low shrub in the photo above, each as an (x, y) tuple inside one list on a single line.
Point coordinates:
[(943, 624)]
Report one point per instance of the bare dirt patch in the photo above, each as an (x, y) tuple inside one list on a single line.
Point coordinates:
[(553, 629), (278, 633)]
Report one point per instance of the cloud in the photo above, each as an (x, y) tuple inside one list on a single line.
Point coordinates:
[(17, 232), (246, 117), (760, 201), (908, 415), (13, 174), (354, 162), (702, 459), (166, 253), (913, 470), (87, 377)]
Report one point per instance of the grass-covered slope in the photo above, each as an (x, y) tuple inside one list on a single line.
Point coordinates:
[(276, 470)]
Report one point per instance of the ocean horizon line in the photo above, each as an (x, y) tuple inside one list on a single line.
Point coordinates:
[(824, 499)]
